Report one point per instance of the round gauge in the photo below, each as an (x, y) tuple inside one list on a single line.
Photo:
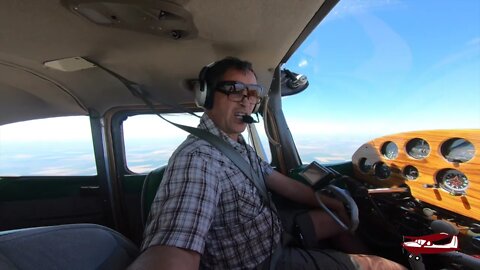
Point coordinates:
[(389, 150), (418, 148), (365, 165), (457, 150), (452, 181), (382, 171), (410, 172)]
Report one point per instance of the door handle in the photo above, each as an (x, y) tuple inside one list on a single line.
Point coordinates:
[(89, 190)]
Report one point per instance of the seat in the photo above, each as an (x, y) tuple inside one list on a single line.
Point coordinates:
[(73, 246), (149, 190)]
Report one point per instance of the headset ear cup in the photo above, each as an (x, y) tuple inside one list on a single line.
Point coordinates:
[(200, 95), (203, 95), (208, 98)]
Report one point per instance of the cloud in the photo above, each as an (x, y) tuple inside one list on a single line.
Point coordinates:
[(303, 63), (459, 57), (143, 168), (354, 7), (333, 159), (383, 62), (474, 42), (57, 171), (22, 156)]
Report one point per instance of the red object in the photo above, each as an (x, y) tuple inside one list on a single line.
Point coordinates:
[(426, 244)]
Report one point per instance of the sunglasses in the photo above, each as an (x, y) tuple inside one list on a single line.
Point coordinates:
[(235, 91)]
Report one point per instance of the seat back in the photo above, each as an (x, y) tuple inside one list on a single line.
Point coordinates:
[(149, 190), (73, 246)]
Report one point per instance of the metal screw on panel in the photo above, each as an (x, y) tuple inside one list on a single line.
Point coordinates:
[(176, 34)]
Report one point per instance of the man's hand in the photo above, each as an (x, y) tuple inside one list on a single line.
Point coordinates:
[(301, 193), (338, 207)]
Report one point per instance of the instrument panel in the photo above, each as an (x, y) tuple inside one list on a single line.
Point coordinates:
[(441, 167)]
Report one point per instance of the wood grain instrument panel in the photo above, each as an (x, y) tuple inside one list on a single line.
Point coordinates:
[(370, 161)]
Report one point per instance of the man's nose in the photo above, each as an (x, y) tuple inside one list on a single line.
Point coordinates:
[(244, 97), (244, 100)]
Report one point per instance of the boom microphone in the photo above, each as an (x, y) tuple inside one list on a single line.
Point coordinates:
[(248, 119)]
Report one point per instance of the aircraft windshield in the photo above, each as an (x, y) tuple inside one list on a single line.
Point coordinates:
[(382, 67)]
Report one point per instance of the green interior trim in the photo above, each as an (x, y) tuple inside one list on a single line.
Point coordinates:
[(132, 184), (35, 188)]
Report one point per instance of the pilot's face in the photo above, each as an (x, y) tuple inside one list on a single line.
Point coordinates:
[(227, 114)]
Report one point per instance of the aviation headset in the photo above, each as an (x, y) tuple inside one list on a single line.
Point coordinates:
[(204, 94)]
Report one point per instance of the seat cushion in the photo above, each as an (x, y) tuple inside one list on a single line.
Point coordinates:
[(74, 246), (149, 190)]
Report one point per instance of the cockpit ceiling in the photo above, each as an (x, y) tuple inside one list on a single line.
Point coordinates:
[(29, 94), (34, 32)]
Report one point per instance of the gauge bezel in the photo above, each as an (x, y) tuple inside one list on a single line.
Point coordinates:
[(383, 150), (446, 147), (376, 167), (404, 172), (440, 180), (362, 164), (412, 143)]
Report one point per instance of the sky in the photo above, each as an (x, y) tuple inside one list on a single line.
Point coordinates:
[(381, 67)]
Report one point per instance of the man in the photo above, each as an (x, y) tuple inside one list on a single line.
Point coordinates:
[(208, 214)]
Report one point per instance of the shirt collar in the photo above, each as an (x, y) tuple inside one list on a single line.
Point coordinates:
[(207, 124)]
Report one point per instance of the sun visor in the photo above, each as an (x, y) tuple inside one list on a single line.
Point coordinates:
[(292, 83)]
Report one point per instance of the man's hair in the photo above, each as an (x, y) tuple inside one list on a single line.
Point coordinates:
[(215, 73)]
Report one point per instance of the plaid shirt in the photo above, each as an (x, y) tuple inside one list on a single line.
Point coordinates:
[(206, 204)]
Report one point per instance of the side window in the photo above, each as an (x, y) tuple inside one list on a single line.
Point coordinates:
[(150, 141), (60, 146)]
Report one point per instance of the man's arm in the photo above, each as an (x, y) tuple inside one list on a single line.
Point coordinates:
[(298, 192), (165, 257), (176, 222)]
